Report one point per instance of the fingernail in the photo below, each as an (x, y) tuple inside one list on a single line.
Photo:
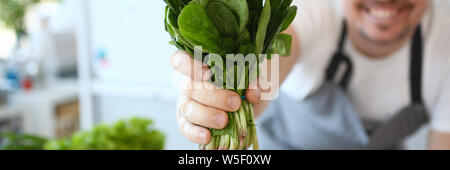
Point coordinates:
[(220, 120), (234, 102), (176, 62), (186, 85)]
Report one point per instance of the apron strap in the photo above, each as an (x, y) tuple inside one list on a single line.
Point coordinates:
[(339, 58), (407, 121), (410, 119), (416, 67)]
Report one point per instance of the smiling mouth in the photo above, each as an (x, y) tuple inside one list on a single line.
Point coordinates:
[(385, 12)]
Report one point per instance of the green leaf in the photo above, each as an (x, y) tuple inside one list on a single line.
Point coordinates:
[(200, 2), (165, 19), (172, 18), (282, 45), (230, 77), (247, 49), (177, 39), (255, 5), (230, 46), (262, 27), (276, 24), (222, 17), (197, 28), (132, 134), (186, 1), (275, 6), (180, 39), (253, 71), (244, 37), (270, 52), (255, 8), (175, 5), (239, 7), (285, 4), (292, 12), (217, 63)]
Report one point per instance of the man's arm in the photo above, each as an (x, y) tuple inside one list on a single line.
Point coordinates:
[(438, 140), (286, 65)]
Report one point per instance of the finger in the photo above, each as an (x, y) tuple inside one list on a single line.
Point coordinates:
[(190, 67), (203, 115), (253, 93), (207, 94), (194, 133)]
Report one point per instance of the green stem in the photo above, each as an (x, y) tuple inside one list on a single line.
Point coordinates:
[(234, 142), (212, 144), (240, 134), (253, 126), (224, 142), (243, 124), (245, 107), (238, 129)]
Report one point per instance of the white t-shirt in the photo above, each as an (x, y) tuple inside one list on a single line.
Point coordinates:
[(379, 88)]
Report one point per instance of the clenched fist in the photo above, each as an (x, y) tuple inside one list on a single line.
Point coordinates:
[(206, 106)]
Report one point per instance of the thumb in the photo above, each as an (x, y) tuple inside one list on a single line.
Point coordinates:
[(253, 93)]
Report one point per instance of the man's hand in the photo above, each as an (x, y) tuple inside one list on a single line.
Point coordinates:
[(204, 106)]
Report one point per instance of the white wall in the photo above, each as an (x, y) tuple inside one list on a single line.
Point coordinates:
[(131, 32), (131, 35)]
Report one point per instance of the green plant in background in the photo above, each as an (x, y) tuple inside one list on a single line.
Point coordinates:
[(231, 27), (12, 13), (133, 134), (14, 141)]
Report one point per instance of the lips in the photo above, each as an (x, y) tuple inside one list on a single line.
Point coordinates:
[(383, 14), (386, 12)]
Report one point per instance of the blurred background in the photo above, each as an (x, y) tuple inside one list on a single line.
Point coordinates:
[(70, 65), (79, 63)]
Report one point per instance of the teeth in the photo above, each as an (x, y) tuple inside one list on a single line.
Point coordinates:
[(382, 14)]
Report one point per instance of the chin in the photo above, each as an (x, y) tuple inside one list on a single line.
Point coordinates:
[(385, 21), (385, 35)]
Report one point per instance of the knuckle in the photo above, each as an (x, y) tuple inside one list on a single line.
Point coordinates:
[(184, 107), (188, 92), (182, 125), (187, 83), (176, 59)]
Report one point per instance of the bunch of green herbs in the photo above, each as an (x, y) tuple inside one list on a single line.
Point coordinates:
[(224, 27)]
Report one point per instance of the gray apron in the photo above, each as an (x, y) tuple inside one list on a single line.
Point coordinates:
[(327, 119)]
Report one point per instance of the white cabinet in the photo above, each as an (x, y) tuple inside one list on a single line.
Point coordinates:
[(37, 110)]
